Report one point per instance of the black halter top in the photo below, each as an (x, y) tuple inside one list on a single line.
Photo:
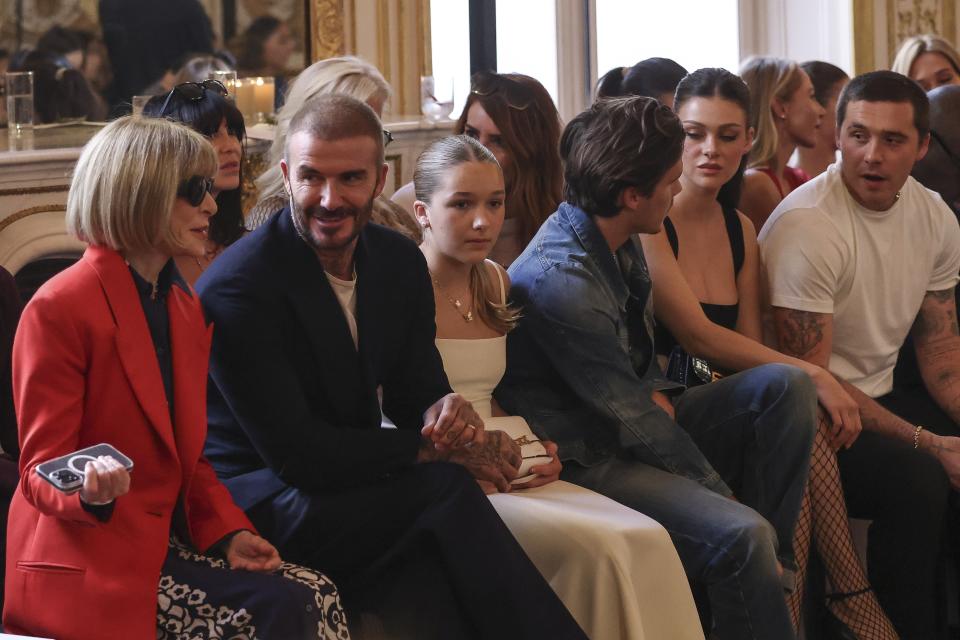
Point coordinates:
[(724, 315)]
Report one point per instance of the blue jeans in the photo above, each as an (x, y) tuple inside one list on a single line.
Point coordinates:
[(756, 429)]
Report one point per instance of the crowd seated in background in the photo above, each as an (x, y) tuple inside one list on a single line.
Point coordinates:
[(263, 50), (856, 259)]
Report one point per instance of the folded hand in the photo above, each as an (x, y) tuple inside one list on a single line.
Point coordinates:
[(250, 552)]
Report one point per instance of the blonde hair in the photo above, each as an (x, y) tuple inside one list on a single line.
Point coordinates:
[(347, 75), (125, 182), (914, 46), (436, 159), (768, 79)]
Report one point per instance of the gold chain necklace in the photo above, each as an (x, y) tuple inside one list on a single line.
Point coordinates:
[(468, 316)]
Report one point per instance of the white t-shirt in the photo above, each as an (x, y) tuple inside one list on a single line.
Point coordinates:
[(825, 253), (346, 292)]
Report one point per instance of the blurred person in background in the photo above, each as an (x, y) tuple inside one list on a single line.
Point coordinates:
[(264, 49), (828, 81), (345, 75), (928, 60)]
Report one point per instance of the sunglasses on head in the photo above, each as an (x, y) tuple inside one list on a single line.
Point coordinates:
[(515, 94), (387, 137), (194, 92), (194, 189)]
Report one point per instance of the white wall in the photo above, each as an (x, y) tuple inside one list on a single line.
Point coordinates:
[(800, 30)]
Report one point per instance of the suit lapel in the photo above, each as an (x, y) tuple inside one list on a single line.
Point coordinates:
[(324, 324), (134, 343), (370, 313)]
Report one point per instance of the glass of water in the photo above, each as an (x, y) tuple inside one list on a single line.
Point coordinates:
[(436, 98), (19, 90)]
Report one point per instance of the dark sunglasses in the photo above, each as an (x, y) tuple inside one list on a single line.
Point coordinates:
[(195, 189), (387, 137), (516, 95), (194, 92)]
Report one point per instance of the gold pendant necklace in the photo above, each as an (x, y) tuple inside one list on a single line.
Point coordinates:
[(468, 316)]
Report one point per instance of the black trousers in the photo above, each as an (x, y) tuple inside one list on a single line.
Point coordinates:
[(424, 552), (904, 492)]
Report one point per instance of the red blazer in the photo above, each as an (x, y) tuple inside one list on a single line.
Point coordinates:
[(84, 372)]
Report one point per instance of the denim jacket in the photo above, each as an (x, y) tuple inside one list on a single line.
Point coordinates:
[(581, 367)]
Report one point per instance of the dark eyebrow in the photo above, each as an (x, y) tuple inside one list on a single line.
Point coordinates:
[(725, 125)]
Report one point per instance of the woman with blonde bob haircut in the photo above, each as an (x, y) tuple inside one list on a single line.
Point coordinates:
[(114, 350), (928, 60), (784, 114), (352, 77)]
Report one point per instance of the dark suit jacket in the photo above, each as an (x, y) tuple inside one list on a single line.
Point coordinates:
[(291, 402)]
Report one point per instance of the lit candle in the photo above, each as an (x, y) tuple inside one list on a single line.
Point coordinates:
[(263, 92), (245, 98)]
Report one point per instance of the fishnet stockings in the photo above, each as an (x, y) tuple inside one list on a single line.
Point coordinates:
[(823, 517)]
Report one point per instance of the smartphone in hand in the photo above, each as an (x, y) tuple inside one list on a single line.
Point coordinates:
[(66, 472)]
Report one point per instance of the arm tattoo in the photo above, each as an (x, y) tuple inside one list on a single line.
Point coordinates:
[(936, 316), (803, 332)]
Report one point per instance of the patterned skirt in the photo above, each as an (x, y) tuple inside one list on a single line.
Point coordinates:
[(201, 598)]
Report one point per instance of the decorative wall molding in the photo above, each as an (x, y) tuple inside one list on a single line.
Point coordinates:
[(327, 32), (29, 211), (392, 34), (879, 26)]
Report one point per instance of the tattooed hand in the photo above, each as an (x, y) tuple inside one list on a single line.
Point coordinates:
[(494, 461)]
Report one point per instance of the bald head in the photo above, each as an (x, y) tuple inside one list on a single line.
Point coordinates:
[(334, 117)]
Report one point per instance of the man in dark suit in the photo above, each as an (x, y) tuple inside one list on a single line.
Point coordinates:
[(313, 314)]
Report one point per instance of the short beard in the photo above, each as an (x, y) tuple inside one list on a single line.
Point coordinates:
[(299, 217)]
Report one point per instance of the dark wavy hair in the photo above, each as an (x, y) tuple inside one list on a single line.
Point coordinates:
[(719, 83), (59, 92), (652, 78), (204, 116), (615, 144), (825, 77), (249, 47), (531, 131)]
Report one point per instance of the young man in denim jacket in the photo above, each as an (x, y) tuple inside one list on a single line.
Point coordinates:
[(727, 482)]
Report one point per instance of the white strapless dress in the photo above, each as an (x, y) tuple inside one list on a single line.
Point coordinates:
[(614, 568)]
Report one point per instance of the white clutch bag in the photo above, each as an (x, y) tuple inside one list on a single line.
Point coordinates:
[(531, 449)]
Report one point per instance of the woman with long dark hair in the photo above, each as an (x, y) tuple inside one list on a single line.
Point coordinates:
[(205, 108)]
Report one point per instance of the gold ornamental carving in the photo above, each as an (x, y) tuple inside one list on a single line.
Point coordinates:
[(326, 17), (907, 18)]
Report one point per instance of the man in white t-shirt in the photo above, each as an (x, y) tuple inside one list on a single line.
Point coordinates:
[(856, 260)]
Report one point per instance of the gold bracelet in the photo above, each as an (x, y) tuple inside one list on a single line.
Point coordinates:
[(916, 437)]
